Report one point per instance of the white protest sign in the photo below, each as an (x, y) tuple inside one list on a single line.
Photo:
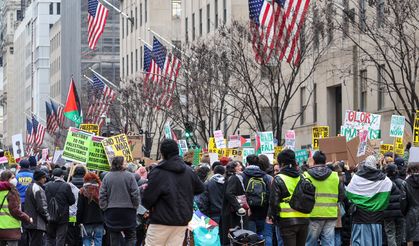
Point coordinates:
[(17, 142), (414, 155), (219, 139), (234, 141), (362, 148), (290, 140), (168, 131), (356, 121), (397, 126)]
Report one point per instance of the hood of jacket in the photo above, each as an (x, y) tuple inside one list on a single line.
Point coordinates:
[(4, 185), (218, 178), (413, 180), (254, 171), (173, 164), (289, 171), (370, 173), (319, 172)]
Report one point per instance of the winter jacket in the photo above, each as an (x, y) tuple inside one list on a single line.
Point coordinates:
[(411, 211), (119, 190), (279, 191), (77, 180), (88, 212), (64, 196), (394, 207), (170, 191), (211, 201), (15, 211), (36, 207), (73, 208), (257, 213), (24, 178)]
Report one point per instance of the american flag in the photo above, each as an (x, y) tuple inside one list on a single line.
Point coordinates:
[(58, 111), (152, 72), (52, 123), (96, 18), (38, 131), (29, 134), (105, 96)]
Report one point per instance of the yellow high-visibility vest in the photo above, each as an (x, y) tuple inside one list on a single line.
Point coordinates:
[(285, 210), (7, 221)]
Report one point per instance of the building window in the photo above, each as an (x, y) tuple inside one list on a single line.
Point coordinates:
[(193, 27), (132, 62), (208, 18), (362, 16), (330, 13), (216, 13), (136, 60), (302, 104), (122, 25), (345, 18), (200, 22), (381, 86), (315, 103), (186, 30), (380, 13), (176, 8), (51, 8), (225, 11), (141, 56), (316, 27), (363, 82), (141, 14), (123, 67), (58, 8), (127, 28), (145, 11), (131, 24), (127, 65), (136, 20)]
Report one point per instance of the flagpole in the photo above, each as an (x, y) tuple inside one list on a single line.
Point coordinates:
[(36, 117), (131, 19), (169, 43), (106, 80), (56, 101), (88, 79), (149, 46)]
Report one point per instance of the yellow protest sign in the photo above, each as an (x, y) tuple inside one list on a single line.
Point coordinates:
[(317, 133), (384, 148), (9, 157), (398, 146), (278, 150), (236, 152), (416, 130), (93, 128), (211, 145), (117, 146)]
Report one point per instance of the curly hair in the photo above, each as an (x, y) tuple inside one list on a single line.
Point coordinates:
[(89, 177)]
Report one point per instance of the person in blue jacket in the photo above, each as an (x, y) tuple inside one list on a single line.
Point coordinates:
[(24, 178)]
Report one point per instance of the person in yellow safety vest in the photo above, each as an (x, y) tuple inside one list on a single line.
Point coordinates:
[(290, 225), (323, 218), (11, 214)]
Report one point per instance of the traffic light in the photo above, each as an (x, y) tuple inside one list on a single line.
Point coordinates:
[(188, 134), (188, 130)]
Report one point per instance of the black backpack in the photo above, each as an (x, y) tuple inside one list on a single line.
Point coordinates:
[(256, 192), (54, 210), (304, 196)]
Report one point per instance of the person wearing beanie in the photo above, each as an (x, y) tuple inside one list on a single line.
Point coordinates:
[(224, 160), (36, 208), (24, 178), (63, 194), (32, 163), (78, 175), (369, 192), (169, 197)]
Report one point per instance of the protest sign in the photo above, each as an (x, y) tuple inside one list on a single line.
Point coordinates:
[(301, 156), (278, 150), (362, 148), (236, 152), (234, 141), (77, 145), (414, 155), (57, 159), (416, 130), (97, 159), (211, 145), (136, 145), (353, 146), (290, 140), (397, 126), (17, 142), (385, 148), (167, 131), (266, 142), (196, 156), (398, 146), (8, 158), (246, 152), (93, 128), (44, 155), (355, 121), (183, 147), (213, 157), (219, 139), (334, 148), (319, 132), (117, 146)]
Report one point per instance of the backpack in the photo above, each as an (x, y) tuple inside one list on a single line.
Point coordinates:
[(54, 210), (304, 196), (256, 192)]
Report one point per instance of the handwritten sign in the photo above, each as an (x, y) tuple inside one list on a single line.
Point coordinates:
[(290, 139), (117, 146), (355, 121), (219, 139), (397, 126)]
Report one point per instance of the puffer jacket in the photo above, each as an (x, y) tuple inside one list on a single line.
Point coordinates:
[(36, 207), (394, 207), (211, 201), (411, 207)]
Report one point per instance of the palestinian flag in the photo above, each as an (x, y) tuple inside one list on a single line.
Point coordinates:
[(369, 189), (72, 109)]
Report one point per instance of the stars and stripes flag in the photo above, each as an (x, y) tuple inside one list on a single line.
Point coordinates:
[(153, 73), (29, 135), (104, 97), (52, 123), (96, 21), (58, 112), (38, 131)]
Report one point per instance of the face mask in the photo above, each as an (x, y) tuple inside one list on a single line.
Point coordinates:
[(13, 181)]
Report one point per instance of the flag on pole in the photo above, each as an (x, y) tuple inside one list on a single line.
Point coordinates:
[(96, 19), (153, 72), (72, 109), (52, 123), (58, 111), (29, 135), (38, 130), (105, 96)]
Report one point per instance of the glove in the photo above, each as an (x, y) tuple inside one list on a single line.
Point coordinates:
[(241, 211)]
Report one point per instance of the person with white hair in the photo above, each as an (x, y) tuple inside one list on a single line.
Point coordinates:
[(369, 190)]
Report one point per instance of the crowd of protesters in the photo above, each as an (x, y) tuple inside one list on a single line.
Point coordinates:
[(374, 203)]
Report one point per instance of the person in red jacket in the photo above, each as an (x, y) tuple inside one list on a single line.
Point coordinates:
[(11, 214)]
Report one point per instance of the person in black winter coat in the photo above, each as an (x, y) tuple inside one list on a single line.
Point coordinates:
[(211, 201), (78, 175), (393, 218), (410, 207), (61, 191), (169, 197)]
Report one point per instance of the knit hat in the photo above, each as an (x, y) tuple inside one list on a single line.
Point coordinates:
[(391, 169), (169, 148), (371, 162), (32, 161), (24, 164), (224, 160), (399, 161), (38, 175), (57, 172)]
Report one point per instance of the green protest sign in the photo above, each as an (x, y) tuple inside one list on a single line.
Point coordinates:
[(97, 159), (246, 152), (266, 142), (77, 145), (301, 156)]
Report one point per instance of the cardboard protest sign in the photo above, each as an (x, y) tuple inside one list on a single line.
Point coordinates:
[(246, 152), (290, 140), (219, 139), (117, 146), (266, 142), (355, 121), (385, 148), (234, 141), (168, 131), (318, 132), (77, 145), (97, 159), (17, 143), (334, 148), (352, 148), (93, 128), (398, 146), (136, 145), (397, 126), (416, 130), (301, 156)]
